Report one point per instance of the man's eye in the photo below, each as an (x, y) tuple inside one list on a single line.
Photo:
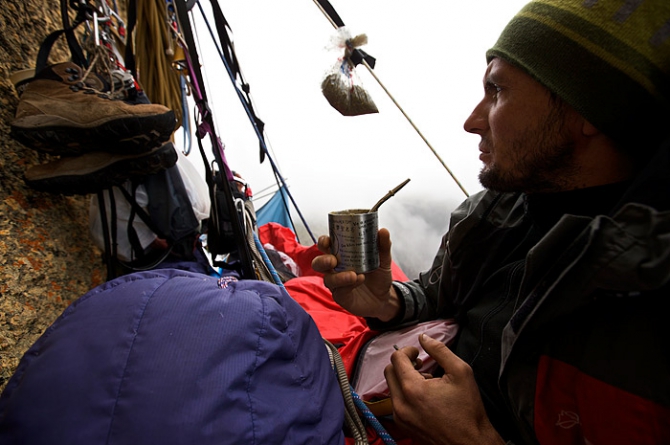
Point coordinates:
[(492, 88)]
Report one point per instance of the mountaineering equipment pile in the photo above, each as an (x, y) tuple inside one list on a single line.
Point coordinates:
[(219, 177), (102, 141), (93, 114)]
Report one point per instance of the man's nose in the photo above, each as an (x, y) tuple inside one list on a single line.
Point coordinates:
[(477, 122)]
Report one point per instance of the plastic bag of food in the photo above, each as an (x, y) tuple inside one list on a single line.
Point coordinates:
[(341, 86)]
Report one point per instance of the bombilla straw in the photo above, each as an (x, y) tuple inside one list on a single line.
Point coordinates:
[(388, 195)]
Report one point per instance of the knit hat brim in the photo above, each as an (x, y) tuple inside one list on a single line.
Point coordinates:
[(615, 86)]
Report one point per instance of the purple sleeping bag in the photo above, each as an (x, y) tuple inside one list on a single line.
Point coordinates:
[(173, 357)]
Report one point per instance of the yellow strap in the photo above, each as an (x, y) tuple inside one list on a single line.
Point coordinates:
[(382, 407)]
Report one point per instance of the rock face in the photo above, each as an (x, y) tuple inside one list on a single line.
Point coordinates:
[(47, 259)]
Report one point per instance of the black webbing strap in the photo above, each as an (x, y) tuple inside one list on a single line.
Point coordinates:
[(129, 56), (76, 52), (358, 55), (133, 238), (105, 234), (238, 230), (114, 234), (136, 209), (228, 51), (334, 16)]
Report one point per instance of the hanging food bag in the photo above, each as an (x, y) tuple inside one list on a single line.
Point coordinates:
[(341, 86)]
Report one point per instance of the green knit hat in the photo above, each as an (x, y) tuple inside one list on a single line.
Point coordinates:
[(608, 59)]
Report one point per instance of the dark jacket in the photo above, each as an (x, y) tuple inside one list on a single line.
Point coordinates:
[(585, 351)]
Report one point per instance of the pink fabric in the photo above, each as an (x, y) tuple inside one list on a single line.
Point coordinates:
[(371, 383)]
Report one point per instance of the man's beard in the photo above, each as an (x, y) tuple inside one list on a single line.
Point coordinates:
[(543, 160)]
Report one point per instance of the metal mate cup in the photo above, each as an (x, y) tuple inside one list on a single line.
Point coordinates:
[(353, 239)]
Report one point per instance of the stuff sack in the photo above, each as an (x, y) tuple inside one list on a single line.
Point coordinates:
[(169, 204), (171, 357)]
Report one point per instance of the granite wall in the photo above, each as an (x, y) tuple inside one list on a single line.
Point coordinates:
[(47, 259)]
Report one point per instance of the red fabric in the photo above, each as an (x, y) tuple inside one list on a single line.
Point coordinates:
[(346, 331), (574, 408), (283, 239)]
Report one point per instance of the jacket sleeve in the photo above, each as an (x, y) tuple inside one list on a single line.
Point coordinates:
[(420, 299), (429, 297)]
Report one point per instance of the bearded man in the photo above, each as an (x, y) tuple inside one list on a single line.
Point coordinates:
[(558, 273)]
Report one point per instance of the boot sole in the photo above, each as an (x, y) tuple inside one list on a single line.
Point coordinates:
[(126, 135), (92, 172)]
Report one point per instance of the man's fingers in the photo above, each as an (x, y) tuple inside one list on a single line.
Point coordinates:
[(384, 241), (405, 361), (443, 356), (324, 243), (324, 263), (397, 395), (391, 379), (342, 286)]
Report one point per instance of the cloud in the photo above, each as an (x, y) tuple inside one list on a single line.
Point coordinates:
[(416, 226)]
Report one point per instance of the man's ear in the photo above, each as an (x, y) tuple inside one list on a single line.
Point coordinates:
[(588, 129)]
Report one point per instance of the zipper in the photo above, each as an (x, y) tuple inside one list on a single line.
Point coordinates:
[(516, 268)]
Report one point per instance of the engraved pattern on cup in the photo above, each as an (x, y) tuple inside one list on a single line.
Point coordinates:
[(353, 239)]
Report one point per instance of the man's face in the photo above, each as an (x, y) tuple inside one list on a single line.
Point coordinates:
[(526, 135)]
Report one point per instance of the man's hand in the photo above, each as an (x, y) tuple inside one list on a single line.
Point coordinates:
[(365, 295), (445, 410)]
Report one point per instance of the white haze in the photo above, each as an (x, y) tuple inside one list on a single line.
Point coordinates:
[(430, 57)]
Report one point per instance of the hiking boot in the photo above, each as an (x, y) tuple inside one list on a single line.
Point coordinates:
[(95, 171), (61, 113)]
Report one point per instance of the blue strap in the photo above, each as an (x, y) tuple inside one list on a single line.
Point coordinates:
[(372, 420), (266, 260)]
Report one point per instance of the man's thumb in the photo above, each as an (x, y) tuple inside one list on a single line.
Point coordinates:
[(384, 241), (436, 349)]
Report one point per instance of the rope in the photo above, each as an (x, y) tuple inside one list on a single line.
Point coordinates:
[(372, 419), (266, 261), (262, 264), (365, 63), (352, 401), (153, 42), (352, 419)]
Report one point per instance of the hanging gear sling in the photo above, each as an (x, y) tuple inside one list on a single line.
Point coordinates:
[(229, 60), (218, 178)]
